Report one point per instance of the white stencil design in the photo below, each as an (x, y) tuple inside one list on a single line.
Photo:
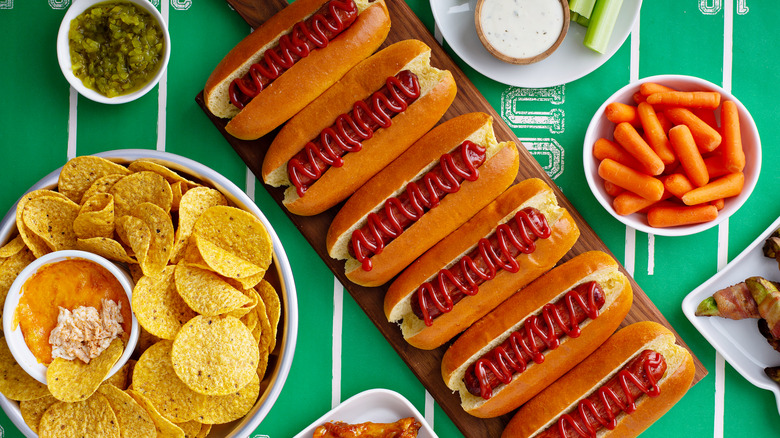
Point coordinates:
[(6, 4), (155, 3), (58, 4), (181, 5), (548, 149), (710, 7), (551, 120), (742, 7), (512, 95), (253, 436)]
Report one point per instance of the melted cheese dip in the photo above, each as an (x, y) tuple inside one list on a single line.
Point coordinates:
[(521, 28)]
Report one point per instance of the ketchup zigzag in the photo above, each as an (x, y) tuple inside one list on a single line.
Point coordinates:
[(313, 33), (399, 213), (351, 129)]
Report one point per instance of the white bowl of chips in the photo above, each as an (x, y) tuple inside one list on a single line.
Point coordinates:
[(13, 331), (275, 359)]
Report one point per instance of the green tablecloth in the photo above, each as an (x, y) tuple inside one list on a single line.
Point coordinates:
[(43, 123)]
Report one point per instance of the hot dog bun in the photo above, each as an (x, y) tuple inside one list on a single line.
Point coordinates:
[(302, 82), (565, 394), (495, 175), (437, 91), (528, 193), (511, 315)]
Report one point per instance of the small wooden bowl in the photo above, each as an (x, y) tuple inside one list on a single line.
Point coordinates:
[(529, 60)]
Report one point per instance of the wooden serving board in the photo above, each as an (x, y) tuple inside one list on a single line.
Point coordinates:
[(424, 364)]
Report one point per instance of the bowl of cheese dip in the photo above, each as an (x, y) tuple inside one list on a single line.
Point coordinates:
[(521, 32)]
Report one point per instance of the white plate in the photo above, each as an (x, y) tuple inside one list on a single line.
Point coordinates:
[(739, 342), (288, 332), (571, 61), (376, 406)]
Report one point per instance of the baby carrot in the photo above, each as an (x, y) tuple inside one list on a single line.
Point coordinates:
[(649, 88), (664, 121), (719, 203), (638, 97), (690, 99), (627, 136), (733, 155), (707, 139), (618, 112), (725, 187), (629, 179), (677, 184), (612, 189), (656, 136), (604, 148), (715, 166), (671, 216), (708, 116), (684, 146), (628, 202)]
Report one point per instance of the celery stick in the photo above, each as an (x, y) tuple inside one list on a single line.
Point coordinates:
[(583, 20), (602, 22), (582, 7)]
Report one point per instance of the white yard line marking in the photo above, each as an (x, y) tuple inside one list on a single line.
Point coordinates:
[(429, 408), (650, 254), (73, 101), (630, 255), (338, 315), (633, 76), (162, 90)]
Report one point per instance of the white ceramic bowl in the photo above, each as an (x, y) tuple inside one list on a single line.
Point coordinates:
[(601, 127), (63, 52), (14, 336), (281, 362)]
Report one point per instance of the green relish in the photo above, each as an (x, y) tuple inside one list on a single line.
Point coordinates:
[(115, 47)]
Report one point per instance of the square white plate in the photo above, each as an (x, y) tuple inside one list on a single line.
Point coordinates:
[(376, 406), (739, 342)]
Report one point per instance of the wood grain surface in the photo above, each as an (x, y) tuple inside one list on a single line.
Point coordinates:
[(424, 364)]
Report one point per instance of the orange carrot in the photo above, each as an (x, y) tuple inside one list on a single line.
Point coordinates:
[(715, 166), (656, 136), (649, 88), (617, 112), (689, 99), (664, 121), (604, 148), (719, 203), (612, 189), (628, 202), (628, 137), (671, 216), (638, 97), (708, 116), (707, 139), (685, 147), (677, 184), (733, 154), (725, 187), (629, 179)]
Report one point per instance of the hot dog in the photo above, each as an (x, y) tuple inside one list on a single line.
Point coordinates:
[(290, 60), (357, 127), (513, 240), (429, 191), (537, 335), (640, 371)]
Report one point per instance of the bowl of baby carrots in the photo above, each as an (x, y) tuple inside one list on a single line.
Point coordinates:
[(672, 155)]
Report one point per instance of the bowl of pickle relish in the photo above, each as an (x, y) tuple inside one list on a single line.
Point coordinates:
[(113, 51)]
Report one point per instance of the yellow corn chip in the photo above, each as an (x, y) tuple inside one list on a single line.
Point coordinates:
[(160, 226), (160, 310), (15, 383), (91, 417), (105, 247), (10, 269), (273, 307), (151, 166), (193, 203), (226, 408), (101, 185), (36, 244), (73, 380), (206, 292), (132, 418), (138, 188), (165, 429), (12, 247), (51, 219), (32, 410), (79, 173), (96, 217)]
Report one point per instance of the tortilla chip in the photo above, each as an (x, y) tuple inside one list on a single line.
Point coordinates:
[(233, 242), (15, 383), (120, 379), (273, 307), (178, 189), (160, 310), (79, 173), (138, 188), (252, 299), (96, 217), (36, 244), (135, 233), (73, 380), (91, 417), (215, 355), (165, 429), (205, 429), (206, 292), (32, 410), (191, 428), (169, 175), (226, 408), (193, 203), (51, 219), (10, 269), (105, 247), (160, 226), (155, 379), (12, 247), (133, 420), (101, 185)]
